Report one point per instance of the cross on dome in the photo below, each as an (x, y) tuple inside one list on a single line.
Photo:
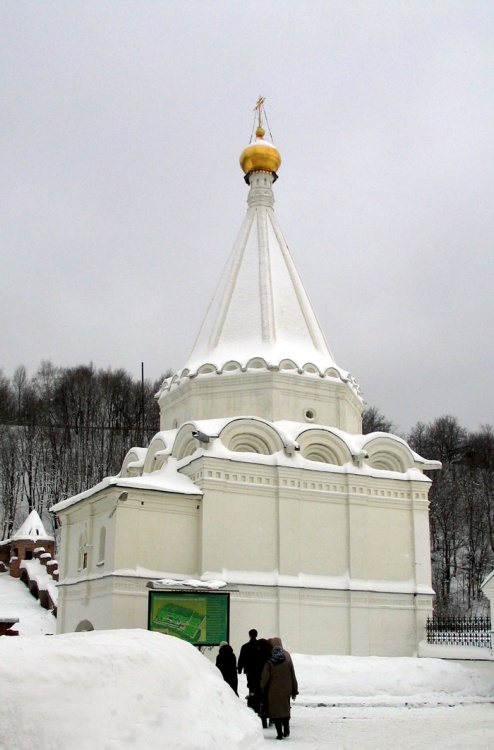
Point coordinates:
[(259, 107), (261, 155)]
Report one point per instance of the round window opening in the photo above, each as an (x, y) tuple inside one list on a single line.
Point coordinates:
[(310, 415)]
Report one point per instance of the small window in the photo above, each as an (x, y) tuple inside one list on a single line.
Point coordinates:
[(29, 554), (102, 544), (79, 557), (84, 560)]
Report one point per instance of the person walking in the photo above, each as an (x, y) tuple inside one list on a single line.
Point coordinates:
[(279, 684), (226, 661), (249, 661), (264, 654)]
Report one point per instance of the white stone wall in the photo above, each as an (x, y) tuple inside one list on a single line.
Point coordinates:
[(333, 561), (310, 621), (274, 395)]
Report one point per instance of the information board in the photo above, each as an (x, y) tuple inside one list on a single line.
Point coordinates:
[(199, 617)]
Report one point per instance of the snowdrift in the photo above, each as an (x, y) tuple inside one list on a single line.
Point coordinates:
[(109, 690), (386, 681)]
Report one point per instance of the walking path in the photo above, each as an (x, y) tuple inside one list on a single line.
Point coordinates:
[(461, 727)]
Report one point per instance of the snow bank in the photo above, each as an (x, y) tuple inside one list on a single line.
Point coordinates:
[(118, 689), (445, 651), (374, 680)]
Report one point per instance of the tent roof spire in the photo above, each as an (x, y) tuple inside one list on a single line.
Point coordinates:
[(260, 308)]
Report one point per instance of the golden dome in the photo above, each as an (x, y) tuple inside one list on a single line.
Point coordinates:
[(260, 156)]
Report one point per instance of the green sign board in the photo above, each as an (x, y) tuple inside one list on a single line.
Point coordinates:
[(199, 617)]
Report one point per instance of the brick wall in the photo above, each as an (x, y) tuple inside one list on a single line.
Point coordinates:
[(27, 549)]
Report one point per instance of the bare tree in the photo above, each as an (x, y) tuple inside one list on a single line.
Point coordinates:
[(64, 430), (374, 421), (460, 508), (11, 486)]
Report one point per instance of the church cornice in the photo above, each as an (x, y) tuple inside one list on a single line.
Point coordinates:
[(260, 365)]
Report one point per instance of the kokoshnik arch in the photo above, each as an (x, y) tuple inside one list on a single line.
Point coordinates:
[(260, 477)]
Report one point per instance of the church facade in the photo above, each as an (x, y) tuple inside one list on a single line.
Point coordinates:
[(260, 477)]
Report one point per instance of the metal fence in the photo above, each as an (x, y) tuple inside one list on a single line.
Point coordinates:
[(459, 631)]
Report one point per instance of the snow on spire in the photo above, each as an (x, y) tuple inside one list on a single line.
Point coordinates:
[(32, 528), (261, 308)]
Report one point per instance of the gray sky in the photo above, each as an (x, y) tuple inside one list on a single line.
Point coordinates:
[(122, 123)]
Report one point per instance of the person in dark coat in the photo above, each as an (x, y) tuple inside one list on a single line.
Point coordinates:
[(249, 655), (279, 684), (264, 654), (226, 661), (249, 661)]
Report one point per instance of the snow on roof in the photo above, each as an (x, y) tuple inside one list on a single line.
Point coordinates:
[(302, 580), (166, 479), (32, 528), (487, 580), (188, 584)]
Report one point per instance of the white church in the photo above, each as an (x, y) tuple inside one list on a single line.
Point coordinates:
[(260, 477)]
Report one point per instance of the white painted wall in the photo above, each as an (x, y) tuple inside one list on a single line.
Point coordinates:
[(273, 395), (338, 553)]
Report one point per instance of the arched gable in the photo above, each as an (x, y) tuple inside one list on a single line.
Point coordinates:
[(311, 368), (153, 461), (185, 444), (257, 363), (247, 435), (133, 463), (231, 366), (318, 444), (206, 369), (388, 453), (289, 364)]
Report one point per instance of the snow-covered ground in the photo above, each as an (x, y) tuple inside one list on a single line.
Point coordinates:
[(376, 703), (16, 601), (124, 689)]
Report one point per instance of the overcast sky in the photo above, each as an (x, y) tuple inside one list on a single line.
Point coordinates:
[(122, 123)]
